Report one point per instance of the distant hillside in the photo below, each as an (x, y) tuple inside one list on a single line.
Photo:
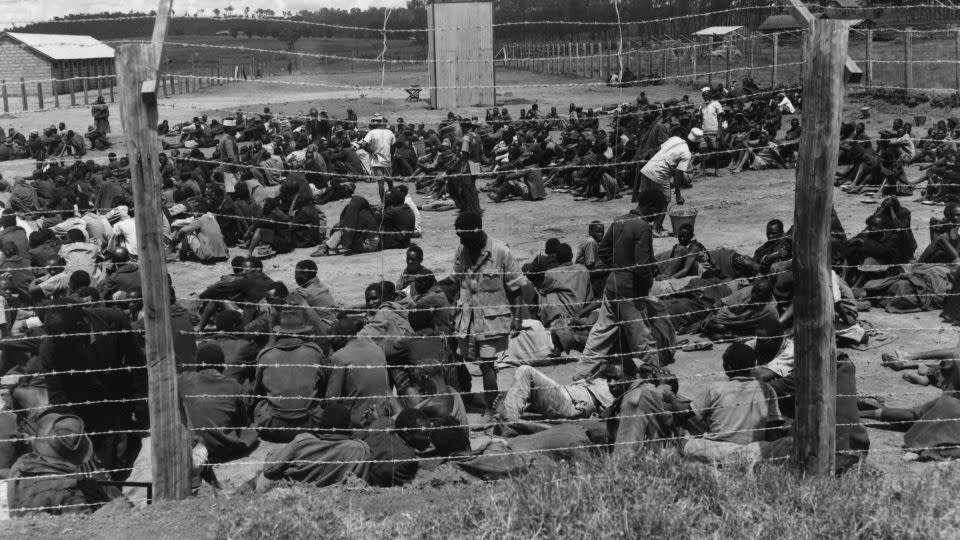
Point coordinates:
[(517, 19)]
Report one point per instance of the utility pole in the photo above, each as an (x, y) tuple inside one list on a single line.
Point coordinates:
[(138, 67)]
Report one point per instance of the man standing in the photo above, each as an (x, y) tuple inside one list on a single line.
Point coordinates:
[(101, 116), (229, 150), (490, 279), (710, 114), (626, 248), (379, 143), (668, 165)]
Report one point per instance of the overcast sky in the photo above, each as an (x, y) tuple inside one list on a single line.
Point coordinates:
[(19, 11)]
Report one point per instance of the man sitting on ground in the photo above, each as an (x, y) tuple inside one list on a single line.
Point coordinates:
[(214, 407)]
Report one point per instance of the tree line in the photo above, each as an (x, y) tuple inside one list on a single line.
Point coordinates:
[(594, 18)]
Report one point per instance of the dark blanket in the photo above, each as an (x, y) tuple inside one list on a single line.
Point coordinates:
[(693, 303), (919, 288), (318, 460), (938, 425), (357, 222)]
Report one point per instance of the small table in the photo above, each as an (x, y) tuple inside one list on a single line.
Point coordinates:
[(413, 93)]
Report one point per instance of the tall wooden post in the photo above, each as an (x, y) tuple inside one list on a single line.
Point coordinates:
[(957, 58), (693, 64), (137, 69), (816, 368), (602, 64), (39, 95), (6, 99), (710, 64), (908, 58), (23, 93), (776, 60), (729, 43), (73, 93), (56, 95), (588, 51), (86, 90), (869, 59)]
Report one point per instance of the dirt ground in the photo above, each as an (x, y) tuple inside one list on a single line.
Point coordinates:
[(733, 210)]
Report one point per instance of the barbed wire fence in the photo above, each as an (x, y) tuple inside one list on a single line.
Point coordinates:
[(621, 56)]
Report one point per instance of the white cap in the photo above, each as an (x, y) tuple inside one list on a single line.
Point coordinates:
[(696, 135), (705, 89)]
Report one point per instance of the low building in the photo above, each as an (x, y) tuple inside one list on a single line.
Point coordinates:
[(67, 58)]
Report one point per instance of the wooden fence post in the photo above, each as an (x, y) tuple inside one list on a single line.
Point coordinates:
[(173, 86), (710, 66), (73, 94), (56, 95), (112, 100), (39, 95), (6, 100), (869, 60), (588, 60), (776, 60), (693, 62), (23, 93), (584, 59), (602, 51), (957, 58), (728, 74), (816, 364), (908, 58), (86, 88), (663, 68), (136, 64)]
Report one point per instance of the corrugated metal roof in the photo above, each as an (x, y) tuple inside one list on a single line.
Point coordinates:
[(853, 4), (717, 31), (782, 22), (63, 46)]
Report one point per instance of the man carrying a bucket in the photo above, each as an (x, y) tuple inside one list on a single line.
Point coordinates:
[(668, 166)]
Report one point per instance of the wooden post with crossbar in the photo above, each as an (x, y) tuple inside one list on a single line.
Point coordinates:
[(138, 67), (813, 304)]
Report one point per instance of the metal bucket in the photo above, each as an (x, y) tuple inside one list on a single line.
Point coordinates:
[(680, 216)]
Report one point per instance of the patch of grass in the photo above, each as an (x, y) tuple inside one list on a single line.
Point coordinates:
[(284, 513), (660, 495), (652, 495)]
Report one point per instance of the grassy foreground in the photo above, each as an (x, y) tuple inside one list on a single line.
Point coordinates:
[(652, 495)]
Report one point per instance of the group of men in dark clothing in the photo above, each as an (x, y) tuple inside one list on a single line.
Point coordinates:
[(381, 391)]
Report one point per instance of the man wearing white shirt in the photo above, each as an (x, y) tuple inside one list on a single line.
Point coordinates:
[(379, 143), (785, 105), (668, 166), (124, 230), (710, 112)]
